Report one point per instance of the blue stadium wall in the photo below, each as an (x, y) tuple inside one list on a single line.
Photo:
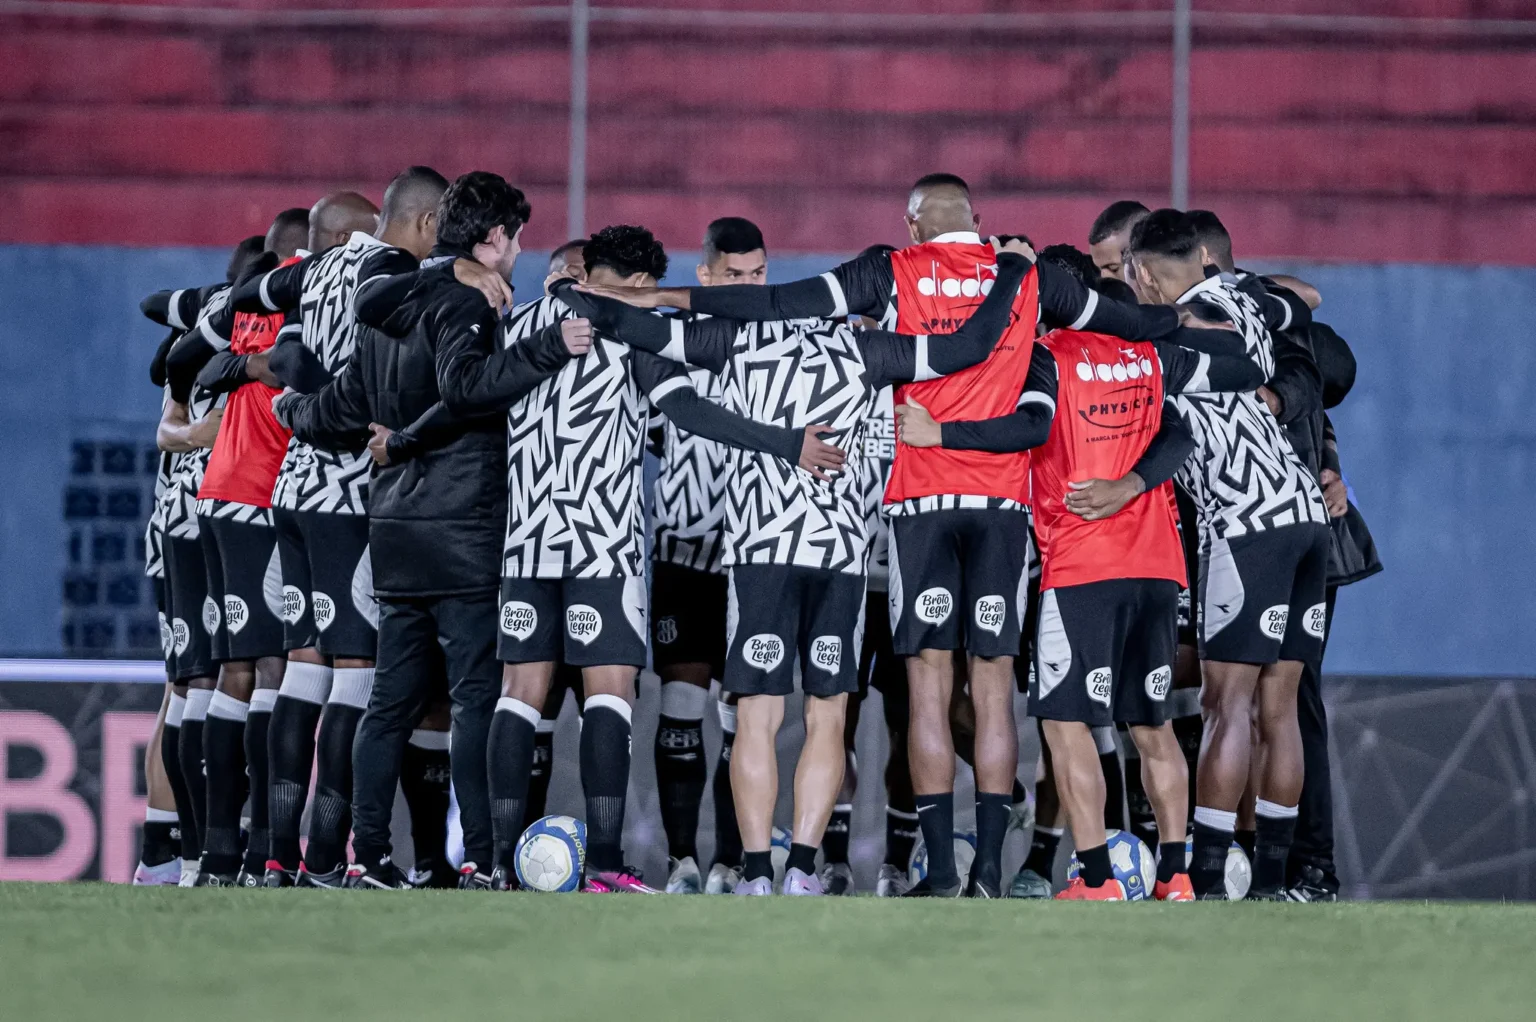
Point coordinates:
[(1437, 443)]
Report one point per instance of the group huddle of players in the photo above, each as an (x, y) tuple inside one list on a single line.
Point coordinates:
[(399, 518)]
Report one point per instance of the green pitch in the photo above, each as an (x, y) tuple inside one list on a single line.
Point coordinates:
[(98, 952)]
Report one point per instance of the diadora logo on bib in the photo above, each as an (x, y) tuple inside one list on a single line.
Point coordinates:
[(765, 651), (974, 286), (666, 630), (210, 615), (518, 619), (989, 613), (1158, 683), (583, 623), (236, 614), (293, 604), (1316, 620), (1101, 683), (1272, 621), (1130, 367), (934, 605), (325, 609), (827, 653)]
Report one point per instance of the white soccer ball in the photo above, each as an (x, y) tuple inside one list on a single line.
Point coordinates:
[(1239, 872), (1131, 862), (778, 852), (551, 854), (965, 857)]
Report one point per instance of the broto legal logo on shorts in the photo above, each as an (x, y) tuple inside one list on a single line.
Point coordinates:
[(293, 604), (583, 623), (764, 651), (325, 609), (518, 619), (827, 653), (933, 605), (236, 614), (1272, 621), (1101, 683), (989, 613)]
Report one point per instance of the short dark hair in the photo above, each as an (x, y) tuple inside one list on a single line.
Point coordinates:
[(1213, 235), (731, 235), (1005, 238), (626, 250), (557, 257), (295, 219), (414, 189), (936, 180), (1166, 232), (1073, 260), (247, 251), (476, 204), (1115, 218)]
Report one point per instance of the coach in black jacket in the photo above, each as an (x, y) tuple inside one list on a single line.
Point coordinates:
[(437, 508)]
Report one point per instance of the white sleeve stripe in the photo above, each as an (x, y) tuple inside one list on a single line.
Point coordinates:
[(922, 371), (266, 298), (666, 387), (1285, 323), (1035, 397), (292, 329), (1200, 381), (839, 300), (173, 315), (1088, 310), (674, 348)]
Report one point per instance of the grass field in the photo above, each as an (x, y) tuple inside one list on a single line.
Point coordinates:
[(93, 951)]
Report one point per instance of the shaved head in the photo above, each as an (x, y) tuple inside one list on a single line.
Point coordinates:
[(289, 233), (333, 219), (939, 204), (409, 218)]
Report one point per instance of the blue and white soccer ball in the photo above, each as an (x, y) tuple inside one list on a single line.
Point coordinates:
[(1239, 872), (778, 852), (965, 856), (551, 854), (1131, 862)]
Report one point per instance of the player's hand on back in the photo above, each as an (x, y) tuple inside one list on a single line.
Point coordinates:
[(1335, 494), (1188, 318), (378, 446), (818, 457), (639, 297), (1093, 499), (485, 280), (204, 431), (1017, 246), (915, 427), (577, 334), (257, 368)]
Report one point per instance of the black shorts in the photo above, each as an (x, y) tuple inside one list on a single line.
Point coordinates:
[(959, 580), (242, 558), (193, 616), (1262, 596), (1104, 652), (327, 593), (583, 622), (1189, 536), (687, 617), (163, 607), (879, 666), (779, 615)]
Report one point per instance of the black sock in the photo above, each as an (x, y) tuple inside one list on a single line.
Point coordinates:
[(1246, 840), (1042, 852), (330, 818), (537, 806), (290, 758), (756, 865), (510, 759), (1020, 793), (680, 776), (1093, 864), (224, 761), (801, 857), (170, 758), (191, 759), (257, 725), (1271, 850), (727, 831), (991, 825), (834, 842), (936, 816), (1114, 791), (1170, 860), (1208, 863), (900, 836), (424, 777), (161, 844), (605, 738)]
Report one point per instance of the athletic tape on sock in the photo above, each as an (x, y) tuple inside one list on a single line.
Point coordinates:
[(727, 713), (263, 699), (603, 701), (152, 815), (546, 726), (682, 700), (352, 686), (309, 683), (227, 707), (1184, 702), (197, 704), (424, 739), (1103, 739), (1274, 810), (174, 711), (522, 709), (1216, 819), (1053, 831)]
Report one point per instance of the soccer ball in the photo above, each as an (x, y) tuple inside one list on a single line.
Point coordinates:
[(1131, 862), (551, 854), (778, 852), (965, 855), (1239, 872)]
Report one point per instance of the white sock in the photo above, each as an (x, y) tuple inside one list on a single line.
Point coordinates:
[(197, 704), (1274, 811), (1216, 819), (682, 700)]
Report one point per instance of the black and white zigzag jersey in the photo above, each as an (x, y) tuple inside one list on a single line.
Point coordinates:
[(311, 478), (575, 450), (688, 513), (154, 529), (187, 472), (1244, 476), (879, 443)]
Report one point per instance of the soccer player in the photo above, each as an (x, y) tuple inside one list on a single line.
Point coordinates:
[(1110, 235), (688, 598), (565, 261), (797, 543), (1111, 564), (1263, 565), (959, 554)]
